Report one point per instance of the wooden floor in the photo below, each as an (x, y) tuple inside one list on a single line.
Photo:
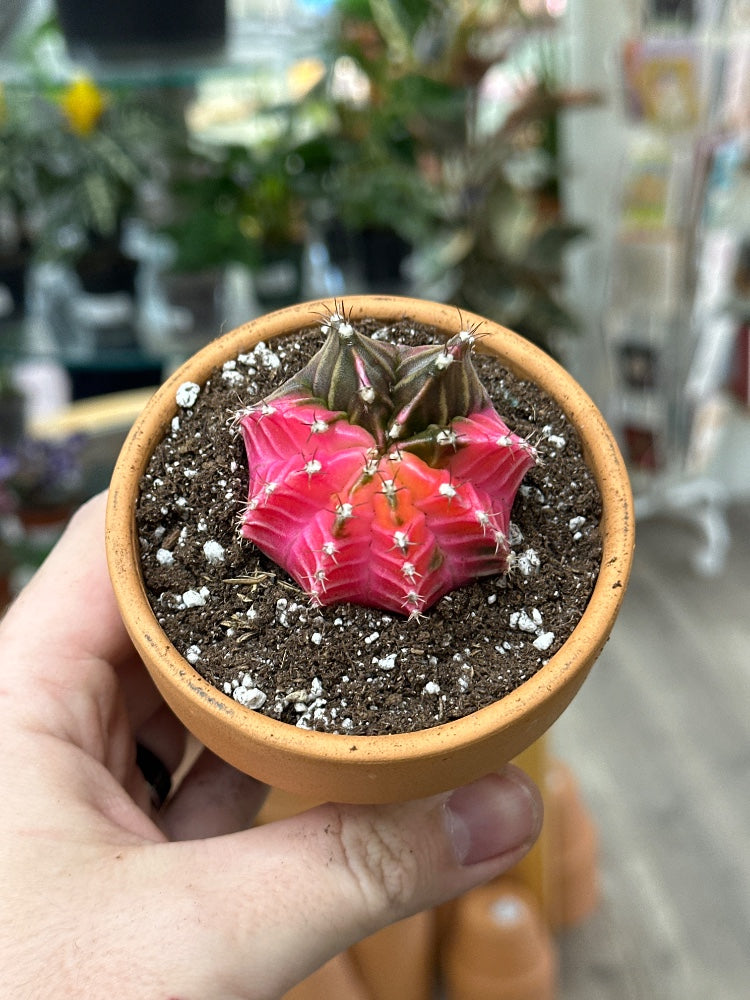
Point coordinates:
[(659, 739)]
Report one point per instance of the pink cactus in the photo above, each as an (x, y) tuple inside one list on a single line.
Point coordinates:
[(382, 475)]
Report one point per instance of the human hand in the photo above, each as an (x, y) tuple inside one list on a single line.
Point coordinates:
[(103, 896)]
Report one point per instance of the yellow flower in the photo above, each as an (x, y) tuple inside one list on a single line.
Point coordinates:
[(83, 104)]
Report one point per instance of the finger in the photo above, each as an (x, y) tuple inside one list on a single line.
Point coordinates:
[(82, 620), (80, 663), (292, 894), (213, 799)]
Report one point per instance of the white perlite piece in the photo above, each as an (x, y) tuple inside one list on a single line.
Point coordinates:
[(386, 662), (164, 557), (528, 562), (575, 524), (193, 654), (543, 641), (526, 622), (312, 713), (431, 688), (532, 623), (195, 598), (250, 697), (213, 551), (267, 357), (187, 394), (233, 377), (556, 440)]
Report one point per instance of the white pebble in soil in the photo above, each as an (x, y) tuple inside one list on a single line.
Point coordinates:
[(528, 562), (533, 625), (386, 662), (187, 395), (213, 551), (575, 524), (250, 697), (195, 598)]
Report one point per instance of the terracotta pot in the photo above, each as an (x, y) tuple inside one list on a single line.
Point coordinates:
[(573, 849), (499, 947), (338, 979), (369, 769)]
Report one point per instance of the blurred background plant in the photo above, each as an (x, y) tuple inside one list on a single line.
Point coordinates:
[(22, 137), (231, 204), (41, 474), (74, 159), (42, 481), (101, 149), (424, 156), (443, 129)]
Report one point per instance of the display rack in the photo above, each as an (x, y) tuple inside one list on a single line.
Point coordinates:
[(670, 318)]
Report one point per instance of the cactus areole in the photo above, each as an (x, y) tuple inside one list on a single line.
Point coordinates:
[(381, 474)]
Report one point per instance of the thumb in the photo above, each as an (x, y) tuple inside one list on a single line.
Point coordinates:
[(292, 894)]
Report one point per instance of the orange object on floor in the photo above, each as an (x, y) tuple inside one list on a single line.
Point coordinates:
[(336, 980), (398, 963), (572, 849), (494, 943), (499, 946)]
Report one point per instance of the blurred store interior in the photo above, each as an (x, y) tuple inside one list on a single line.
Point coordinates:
[(578, 170)]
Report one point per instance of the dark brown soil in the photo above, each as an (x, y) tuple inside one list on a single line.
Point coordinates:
[(249, 630)]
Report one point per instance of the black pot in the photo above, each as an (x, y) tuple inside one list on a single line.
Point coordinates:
[(375, 254), (12, 418), (104, 269), (382, 253), (138, 29), (13, 279)]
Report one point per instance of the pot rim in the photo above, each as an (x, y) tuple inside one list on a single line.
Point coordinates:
[(520, 356)]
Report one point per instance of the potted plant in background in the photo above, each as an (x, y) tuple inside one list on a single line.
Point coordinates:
[(41, 484), (100, 149), (443, 129), (237, 204), (229, 232), (96, 150), (22, 138), (367, 194), (359, 767)]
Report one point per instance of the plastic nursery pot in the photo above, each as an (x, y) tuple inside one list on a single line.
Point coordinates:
[(370, 769)]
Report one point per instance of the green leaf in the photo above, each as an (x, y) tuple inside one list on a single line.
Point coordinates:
[(391, 20)]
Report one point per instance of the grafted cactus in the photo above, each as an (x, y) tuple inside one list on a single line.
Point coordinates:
[(382, 474)]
